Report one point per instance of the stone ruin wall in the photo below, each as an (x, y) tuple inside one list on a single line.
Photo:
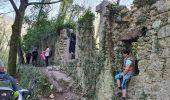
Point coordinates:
[(152, 49), (62, 55), (154, 53)]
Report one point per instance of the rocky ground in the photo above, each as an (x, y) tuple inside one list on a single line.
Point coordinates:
[(61, 84)]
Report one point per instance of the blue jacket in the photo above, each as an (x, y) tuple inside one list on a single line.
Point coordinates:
[(6, 76)]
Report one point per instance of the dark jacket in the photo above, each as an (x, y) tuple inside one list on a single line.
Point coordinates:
[(34, 54), (6, 76)]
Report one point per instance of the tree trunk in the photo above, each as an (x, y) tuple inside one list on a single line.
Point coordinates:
[(16, 34), (13, 48), (20, 53)]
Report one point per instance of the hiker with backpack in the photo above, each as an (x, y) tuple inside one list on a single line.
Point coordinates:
[(7, 81), (127, 72), (28, 57)]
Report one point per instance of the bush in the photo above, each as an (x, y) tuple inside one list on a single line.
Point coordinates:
[(32, 79)]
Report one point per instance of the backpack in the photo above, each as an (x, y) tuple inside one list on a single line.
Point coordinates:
[(42, 56), (4, 82), (50, 53), (135, 65)]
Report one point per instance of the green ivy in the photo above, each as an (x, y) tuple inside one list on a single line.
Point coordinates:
[(86, 20), (139, 4), (38, 32)]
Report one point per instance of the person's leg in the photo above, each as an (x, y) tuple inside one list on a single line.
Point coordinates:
[(29, 60), (33, 61), (124, 93), (36, 61), (117, 78), (124, 85), (46, 60)]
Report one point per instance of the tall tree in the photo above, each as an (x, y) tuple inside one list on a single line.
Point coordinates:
[(16, 31)]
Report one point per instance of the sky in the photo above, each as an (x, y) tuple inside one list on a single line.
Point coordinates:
[(5, 6)]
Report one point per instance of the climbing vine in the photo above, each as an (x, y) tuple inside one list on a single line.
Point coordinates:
[(91, 61)]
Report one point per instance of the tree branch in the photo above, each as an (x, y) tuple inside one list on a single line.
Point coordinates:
[(14, 5), (33, 3)]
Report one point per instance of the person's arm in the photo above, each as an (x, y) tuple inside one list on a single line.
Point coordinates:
[(127, 67), (14, 83)]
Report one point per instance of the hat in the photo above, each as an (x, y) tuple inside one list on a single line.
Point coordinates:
[(1, 64)]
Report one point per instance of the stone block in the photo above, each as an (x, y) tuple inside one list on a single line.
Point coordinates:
[(169, 20), (153, 76), (166, 74), (155, 63), (166, 53), (143, 64), (164, 42), (156, 87), (162, 5), (168, 63), (164, 32), (156, 24)]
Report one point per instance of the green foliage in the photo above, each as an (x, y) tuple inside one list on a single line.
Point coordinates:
[(92, 67), (40, 27), (32, 79), (92, 62), (86, 21), (116, 9), (36, 33), (139, 3), (39, 32), (70, 24)]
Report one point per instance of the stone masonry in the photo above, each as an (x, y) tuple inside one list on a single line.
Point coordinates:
[(150, 44)]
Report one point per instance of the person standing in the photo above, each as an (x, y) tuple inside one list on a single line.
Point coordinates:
[(72, 44), (34, 57), (47, 54), (28, 57)]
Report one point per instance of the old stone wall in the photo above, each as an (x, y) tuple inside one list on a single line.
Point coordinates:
[(62, 48), (152, 82), (146, 31)]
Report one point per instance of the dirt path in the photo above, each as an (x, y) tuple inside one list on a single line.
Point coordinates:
[(61, 84)]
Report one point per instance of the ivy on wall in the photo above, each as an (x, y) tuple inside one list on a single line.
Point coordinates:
[(91, 61), (139, 4)]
